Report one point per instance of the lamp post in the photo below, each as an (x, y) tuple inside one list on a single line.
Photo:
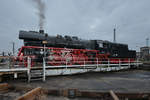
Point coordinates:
[(147, 42), (44, 42), (13, 48)]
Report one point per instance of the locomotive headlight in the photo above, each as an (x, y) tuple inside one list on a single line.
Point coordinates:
[(41, 52)]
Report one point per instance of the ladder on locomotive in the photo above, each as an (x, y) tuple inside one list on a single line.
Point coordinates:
[(35, 73)]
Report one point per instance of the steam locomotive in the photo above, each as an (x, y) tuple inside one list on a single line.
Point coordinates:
[(72, 49)]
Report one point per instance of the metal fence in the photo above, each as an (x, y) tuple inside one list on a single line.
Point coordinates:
[(68, 66), (91, 62), (95, 65)]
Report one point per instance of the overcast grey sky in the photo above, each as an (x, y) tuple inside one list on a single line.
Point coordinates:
[(88, 19)]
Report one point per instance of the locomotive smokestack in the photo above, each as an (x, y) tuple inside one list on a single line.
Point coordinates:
[(114, 35), (41, 31)]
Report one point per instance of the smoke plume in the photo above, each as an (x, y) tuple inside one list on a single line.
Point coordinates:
[(40, 6)]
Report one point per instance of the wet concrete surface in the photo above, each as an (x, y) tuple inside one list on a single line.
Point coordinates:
[(124, 81)]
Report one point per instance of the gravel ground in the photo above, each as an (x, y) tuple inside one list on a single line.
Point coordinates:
[(124, 81), (10, 95)]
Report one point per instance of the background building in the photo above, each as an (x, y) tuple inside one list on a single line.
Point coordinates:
[(145, 53)]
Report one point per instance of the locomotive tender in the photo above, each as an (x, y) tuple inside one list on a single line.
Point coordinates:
[(72, 49)]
